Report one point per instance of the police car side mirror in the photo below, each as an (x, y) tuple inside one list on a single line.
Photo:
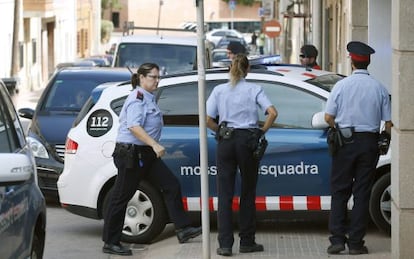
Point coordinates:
[(318, 121), (15, 168)]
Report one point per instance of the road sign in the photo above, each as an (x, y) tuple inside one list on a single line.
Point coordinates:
[(232, 4), (272, 28)]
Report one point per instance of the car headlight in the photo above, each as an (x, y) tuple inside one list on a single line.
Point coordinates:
[(38, 148)]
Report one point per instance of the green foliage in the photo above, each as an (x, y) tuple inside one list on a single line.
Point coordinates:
[(107, 27), (243, 2)]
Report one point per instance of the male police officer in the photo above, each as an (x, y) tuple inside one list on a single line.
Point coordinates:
[(356, 106), (308, 55)]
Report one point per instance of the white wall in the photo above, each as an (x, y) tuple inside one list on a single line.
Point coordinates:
[(379, 37), (6, 36), (65, 32)]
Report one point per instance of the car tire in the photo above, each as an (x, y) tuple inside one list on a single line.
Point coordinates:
[(146, 215), (37, 245), (380, 203)]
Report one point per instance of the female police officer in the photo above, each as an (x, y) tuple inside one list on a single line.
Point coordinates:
[(137, 156), (235, 103)]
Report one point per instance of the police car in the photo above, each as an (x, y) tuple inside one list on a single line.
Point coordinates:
[(22, 205), (294, 172)]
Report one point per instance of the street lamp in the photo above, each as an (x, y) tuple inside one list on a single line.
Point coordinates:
[(159, 14)]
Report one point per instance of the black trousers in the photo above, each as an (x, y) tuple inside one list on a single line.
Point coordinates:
[(159, 175), (234, 153), (353, 169)]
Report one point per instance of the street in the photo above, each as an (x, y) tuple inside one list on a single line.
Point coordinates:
[(288, 235)]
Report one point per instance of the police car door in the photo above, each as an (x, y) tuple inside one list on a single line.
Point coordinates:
[(296, 162), (14, 195)]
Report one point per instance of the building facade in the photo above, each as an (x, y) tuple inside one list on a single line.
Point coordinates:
[(49, 32)]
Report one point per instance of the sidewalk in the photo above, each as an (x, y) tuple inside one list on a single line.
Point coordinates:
[(26, 98), (282, 240)]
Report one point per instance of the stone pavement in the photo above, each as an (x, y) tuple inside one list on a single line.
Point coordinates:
[(281, 239)]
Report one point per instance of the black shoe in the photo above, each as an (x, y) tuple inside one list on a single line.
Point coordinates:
[(358, 251), (117, 249), (185, 234), (224, 251), (335, 249), (252, 248)]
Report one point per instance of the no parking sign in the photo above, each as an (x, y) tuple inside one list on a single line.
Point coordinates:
[(272, 28)]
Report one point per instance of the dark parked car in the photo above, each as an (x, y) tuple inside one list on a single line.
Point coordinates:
[(60, 103), (12, 84), (22, 205)]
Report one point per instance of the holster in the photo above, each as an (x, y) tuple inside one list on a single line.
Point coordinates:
[(223, 131), (347, 134), (261, 148), (127, 153), (334, 141), (384, 140)]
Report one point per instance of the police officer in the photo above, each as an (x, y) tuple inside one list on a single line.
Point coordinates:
[(137, 156), (308, 55), (235, 104), (356, 106)]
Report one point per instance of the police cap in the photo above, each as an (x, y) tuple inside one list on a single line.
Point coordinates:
[(359, 51), (236, 47), (309, 51)]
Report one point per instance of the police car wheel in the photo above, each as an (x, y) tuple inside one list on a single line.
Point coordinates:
[(380, 203), (37, 245), (146, 215)]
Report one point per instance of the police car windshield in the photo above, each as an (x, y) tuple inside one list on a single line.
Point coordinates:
[(171, 58), (325, 82)]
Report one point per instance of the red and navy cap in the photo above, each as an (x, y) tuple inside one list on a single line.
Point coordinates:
[(359, 51)]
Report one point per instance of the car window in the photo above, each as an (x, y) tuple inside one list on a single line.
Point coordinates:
[(325, 82), (219, 33), (179, 103), (68, 94), (11, 135), (295, 106), (217, 56), (116, 105), (171, 58)]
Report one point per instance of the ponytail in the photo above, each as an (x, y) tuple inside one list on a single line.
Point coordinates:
[(239, 68)]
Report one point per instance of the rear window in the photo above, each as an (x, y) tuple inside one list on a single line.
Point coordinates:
[(325, 82), (171, 58)]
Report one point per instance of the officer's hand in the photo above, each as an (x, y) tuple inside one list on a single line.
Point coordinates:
[(158, 149)]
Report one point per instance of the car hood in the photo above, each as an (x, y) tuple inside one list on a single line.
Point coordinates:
[(52, 129)]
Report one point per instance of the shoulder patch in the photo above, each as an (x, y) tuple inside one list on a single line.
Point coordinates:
[(140, 95)]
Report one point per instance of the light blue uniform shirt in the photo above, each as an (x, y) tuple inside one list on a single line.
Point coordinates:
[(237, 105), (359, 101), (140, 109)]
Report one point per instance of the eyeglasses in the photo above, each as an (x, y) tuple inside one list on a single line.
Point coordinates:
[(154, 77), (302, 56)]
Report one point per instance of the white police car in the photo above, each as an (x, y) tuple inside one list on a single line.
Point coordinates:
[(294, 172), (22, 205), (172, 53)]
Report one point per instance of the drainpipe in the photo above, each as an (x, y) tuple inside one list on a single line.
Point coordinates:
[(316, 12)]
